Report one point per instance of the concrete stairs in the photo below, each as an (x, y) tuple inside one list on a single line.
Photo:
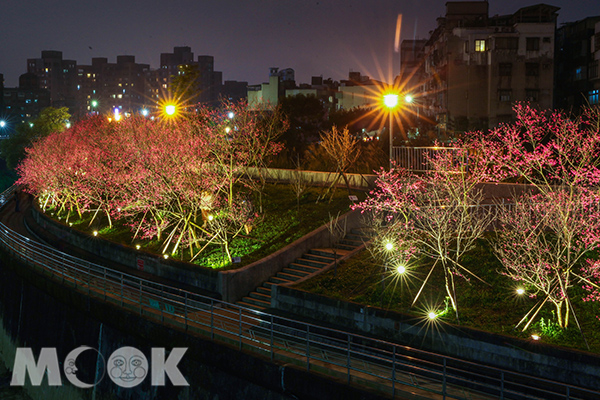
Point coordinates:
[(310, 263)]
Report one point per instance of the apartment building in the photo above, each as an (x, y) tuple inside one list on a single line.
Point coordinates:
[(576, 64), (104, 87), (477, 66), (58, 76)]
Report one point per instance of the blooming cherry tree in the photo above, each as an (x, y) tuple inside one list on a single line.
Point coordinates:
[(551, 230)]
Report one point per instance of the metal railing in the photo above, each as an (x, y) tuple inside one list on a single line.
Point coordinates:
[(417, 158), (391, 368)]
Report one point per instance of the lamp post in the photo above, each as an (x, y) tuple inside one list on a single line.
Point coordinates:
[(170, 109), (391, 101)]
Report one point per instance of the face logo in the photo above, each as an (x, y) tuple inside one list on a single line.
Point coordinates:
[(70, 367), (127, 367)]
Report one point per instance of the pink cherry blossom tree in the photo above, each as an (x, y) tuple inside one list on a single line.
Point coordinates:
[(551, 230), (163, 179), (439, 215)]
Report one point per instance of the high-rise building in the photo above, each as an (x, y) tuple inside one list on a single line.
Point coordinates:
[(104, 87), (58, 76), (208, 83), (576, 65), (477, 67), (25, 102), (594, 93)]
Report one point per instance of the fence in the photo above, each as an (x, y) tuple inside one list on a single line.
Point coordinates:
[(391, 368), (417, 158)]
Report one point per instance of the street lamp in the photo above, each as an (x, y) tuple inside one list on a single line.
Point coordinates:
[(170, 109), (390, 101)]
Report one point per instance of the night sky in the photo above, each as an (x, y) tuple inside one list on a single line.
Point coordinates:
[(246, 37)]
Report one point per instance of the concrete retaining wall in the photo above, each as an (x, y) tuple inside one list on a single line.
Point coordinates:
[(237, 283), (200, 277), (524, 356), (230, 285), (317, 178)]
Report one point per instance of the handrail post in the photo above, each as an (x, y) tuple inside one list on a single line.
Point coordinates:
[(272, 350), (240, 330), (212, 320), (140, 301), (444, 379), (185, 306), (394, 372), (307, 347), (348, 359)]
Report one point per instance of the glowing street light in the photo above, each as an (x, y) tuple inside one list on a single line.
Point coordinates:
[(432, 315), (408, 98), (170, 109), (390, 101), (520, 291), (2, 124), (400, 269), (389, 246)]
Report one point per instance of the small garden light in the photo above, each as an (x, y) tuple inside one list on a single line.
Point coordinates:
[(137, 246), (432, 315), (95, 233), (400, 269), (520, 291), (535, 337), (166, 256), (389, 246)]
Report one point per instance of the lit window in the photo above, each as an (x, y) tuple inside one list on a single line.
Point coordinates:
[(480, 45), (594, 97)]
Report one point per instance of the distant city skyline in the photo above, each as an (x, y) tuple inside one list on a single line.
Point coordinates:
[(246, 38)]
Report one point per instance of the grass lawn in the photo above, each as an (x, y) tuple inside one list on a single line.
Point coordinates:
[(493, 306), (282, 223)]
